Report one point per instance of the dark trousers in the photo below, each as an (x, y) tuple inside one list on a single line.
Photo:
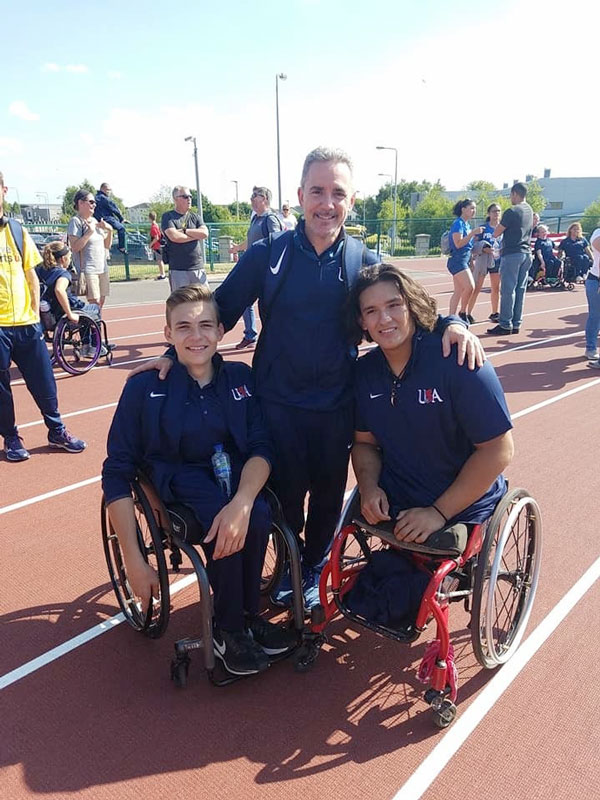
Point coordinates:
[(120, 229), (25, 345), (235, 580), (311, 457)]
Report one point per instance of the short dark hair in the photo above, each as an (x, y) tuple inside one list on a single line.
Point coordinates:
[(152, 215), (421, 305), (519, 189), (195, 293), (458, 207)]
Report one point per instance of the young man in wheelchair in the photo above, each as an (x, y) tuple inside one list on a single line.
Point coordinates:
[(432, 438), (170, 430), (55, 275)]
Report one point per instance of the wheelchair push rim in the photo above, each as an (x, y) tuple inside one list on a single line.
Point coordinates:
[(154, 622), (506, 578), (70, 341)]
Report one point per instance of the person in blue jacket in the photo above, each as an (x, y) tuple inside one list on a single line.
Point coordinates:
[(170, 429), (431, 439), (545, 262), (304, 362), (106, 209), (461, 244)]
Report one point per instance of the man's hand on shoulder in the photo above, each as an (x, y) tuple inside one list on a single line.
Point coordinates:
[(162, 364), (467, 345)]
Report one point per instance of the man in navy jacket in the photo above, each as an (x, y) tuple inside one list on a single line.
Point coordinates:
[(304, 362), (170, 430), (109, 211)]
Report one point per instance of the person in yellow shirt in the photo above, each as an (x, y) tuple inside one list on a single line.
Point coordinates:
[(22, 340)]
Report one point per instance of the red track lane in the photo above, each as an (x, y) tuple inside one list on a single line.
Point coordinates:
[(105, 722)]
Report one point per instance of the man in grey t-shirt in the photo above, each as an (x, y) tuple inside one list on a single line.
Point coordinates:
[(515, 229), (264, 221), (184, 231)]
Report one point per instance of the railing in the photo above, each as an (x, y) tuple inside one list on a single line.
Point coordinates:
[(137, 260)]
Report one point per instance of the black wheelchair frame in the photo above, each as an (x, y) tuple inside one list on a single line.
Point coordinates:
[(161, 530)]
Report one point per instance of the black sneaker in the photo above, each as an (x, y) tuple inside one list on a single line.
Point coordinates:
[(464, 316), (495, 317), (273, 639), (498, 330), (238, 652)]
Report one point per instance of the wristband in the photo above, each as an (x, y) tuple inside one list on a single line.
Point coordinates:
[(443, 516)]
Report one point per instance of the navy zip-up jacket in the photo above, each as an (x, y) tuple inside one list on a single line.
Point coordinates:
[(146, 430), (304, 357), (105, 207)]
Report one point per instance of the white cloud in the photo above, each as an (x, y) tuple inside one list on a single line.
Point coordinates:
[(20, 109), (50, 67), (76, 68), (114, 74)]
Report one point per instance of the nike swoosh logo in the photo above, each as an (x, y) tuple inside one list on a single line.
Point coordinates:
[(277, 266), (154, 394), (220, 647), (373, 396)]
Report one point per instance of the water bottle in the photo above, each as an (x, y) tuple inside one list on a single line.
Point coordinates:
[(222, 469), (46, 317)]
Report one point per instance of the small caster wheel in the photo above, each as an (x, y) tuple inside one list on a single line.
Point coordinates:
[(445, 715), (179, 672)]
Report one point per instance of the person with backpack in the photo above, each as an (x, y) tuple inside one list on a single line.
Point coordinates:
[(22, 340), (461, 242), (262, 223), (304, 361)]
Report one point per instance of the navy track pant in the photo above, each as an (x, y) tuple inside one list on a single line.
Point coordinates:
[(311, 457)]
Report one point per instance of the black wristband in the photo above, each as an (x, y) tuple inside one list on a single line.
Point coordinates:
[(445, 518)]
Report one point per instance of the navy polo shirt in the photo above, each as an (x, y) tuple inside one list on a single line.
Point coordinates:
[(546, 247), (573, 247), (440, 410)]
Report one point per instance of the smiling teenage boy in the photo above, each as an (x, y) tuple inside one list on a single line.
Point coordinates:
[(170, 430)]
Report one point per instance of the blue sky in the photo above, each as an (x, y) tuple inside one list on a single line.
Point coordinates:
[(464, 91)]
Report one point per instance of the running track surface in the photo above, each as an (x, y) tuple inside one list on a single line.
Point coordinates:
[(104, 720)]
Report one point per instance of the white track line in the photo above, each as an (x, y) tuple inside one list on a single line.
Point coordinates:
[(438, 758), (71, 414), (47, 495), (72, 644)]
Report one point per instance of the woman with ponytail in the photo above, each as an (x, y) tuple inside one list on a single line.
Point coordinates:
[(461, 245)]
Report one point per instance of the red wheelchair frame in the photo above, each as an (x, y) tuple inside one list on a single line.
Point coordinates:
[(502, 556)]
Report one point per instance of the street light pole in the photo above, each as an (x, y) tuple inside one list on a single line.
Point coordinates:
[(395, 149), (200, 212), (237, 202), (278, 76)]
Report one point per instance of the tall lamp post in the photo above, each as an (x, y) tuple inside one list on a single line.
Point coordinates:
[(395, 149), (279, 76), (200, 212), (237, 201)]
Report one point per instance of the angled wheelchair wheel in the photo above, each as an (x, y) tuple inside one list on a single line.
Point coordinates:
[(276, 558), (506, 578), (152, 623), (77, 345)]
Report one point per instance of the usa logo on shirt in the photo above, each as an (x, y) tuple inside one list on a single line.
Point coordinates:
[(428, 396), (241, 392)]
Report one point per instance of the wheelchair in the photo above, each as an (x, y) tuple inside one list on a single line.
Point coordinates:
[(495, 577), (162, 534), (68, 340)]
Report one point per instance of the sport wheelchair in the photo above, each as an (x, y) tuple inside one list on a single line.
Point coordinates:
[(496, 577), (162, 532), (69, 341)]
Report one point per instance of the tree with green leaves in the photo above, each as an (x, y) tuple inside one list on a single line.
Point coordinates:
[(68, 210), (481, 186), (434, 215), (535, 196), (591, 217)]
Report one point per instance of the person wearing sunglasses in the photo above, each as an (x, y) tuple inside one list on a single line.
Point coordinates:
[(184, 231), (263, 222), (90, 242)]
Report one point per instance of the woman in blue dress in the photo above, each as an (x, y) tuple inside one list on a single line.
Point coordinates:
[(461, 245)]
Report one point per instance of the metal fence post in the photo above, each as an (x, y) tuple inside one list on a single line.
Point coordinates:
[(211, 256), (126, 259)]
